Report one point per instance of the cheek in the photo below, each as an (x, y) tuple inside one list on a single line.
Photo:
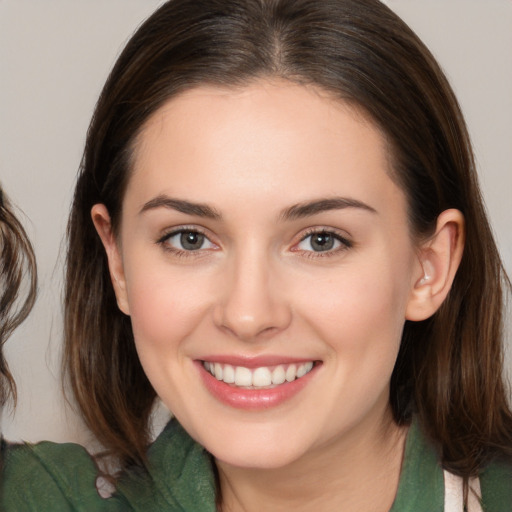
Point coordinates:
[(360, 310), (360, 317), (165, 307)]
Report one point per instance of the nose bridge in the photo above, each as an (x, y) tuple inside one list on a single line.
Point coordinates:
[(251, 304)]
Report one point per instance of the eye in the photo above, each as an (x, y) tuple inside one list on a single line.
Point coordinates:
[(323, 241), (187, 240)]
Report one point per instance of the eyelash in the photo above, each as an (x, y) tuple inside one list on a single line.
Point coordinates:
[(344, 243), (181, 253)]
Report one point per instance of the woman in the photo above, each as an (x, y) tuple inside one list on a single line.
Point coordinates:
[(36, 486), (42, 475), (275, 230)]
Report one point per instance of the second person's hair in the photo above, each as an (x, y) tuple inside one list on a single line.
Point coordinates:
[(18, 282)]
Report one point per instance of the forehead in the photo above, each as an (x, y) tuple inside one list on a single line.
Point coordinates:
[(289, 141), (268, 104)]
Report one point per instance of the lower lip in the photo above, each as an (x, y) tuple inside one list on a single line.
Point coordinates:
[(253, 399)]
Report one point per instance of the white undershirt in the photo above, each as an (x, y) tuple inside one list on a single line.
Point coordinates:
[(453, 496)]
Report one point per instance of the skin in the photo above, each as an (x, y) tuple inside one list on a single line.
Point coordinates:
[(258, 287)]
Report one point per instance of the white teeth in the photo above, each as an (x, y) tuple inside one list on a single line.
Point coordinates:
[(259, 377), (303, 369), (291, 373), (218, 371), (243, 376), (278, 375), (229, 374)]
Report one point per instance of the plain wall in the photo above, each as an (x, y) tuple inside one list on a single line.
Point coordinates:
[(54, 58)]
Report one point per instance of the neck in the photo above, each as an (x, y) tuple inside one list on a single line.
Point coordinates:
[(358, 471)]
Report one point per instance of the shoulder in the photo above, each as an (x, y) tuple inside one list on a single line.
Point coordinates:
[(179, 476), (496, 486), (49, 476), (421, 486), (422, 482)]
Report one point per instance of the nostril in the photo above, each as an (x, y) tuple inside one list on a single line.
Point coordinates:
[(251, 308)]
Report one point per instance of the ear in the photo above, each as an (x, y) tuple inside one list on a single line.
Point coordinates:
[(103, 225), (438, 260)]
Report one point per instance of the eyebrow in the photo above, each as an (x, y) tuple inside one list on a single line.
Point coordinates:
[(310, 208), (180, 205), (297, 211)]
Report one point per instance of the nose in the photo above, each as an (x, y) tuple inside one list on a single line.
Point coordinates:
[(252, 305)]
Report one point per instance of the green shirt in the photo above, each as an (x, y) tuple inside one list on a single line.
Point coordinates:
[(50, 477), (61, 478)]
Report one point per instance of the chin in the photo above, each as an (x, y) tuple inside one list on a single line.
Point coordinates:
[(258, 459), (251, 447)]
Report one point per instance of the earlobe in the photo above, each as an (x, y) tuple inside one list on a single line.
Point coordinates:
[(438, 260), (103, 225)]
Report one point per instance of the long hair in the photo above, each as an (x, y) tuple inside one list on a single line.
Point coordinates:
[(18, 284), (449, 368)]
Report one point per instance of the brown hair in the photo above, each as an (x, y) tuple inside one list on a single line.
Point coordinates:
[(449, 369), (16, 260)]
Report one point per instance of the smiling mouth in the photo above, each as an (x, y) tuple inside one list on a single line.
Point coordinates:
[(264, 377)]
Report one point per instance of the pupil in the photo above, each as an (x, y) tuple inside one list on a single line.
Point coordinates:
[(191, 241), (322, 242)]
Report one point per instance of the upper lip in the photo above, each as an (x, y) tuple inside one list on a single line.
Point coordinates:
[(255, 361)]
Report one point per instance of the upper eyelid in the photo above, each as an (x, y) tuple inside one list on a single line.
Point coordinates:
[(167, 233), (339, 233)]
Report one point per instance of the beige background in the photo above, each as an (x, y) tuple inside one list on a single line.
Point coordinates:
[(54, 58)]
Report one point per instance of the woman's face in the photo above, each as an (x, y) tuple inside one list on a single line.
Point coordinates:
[(262, 240)]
